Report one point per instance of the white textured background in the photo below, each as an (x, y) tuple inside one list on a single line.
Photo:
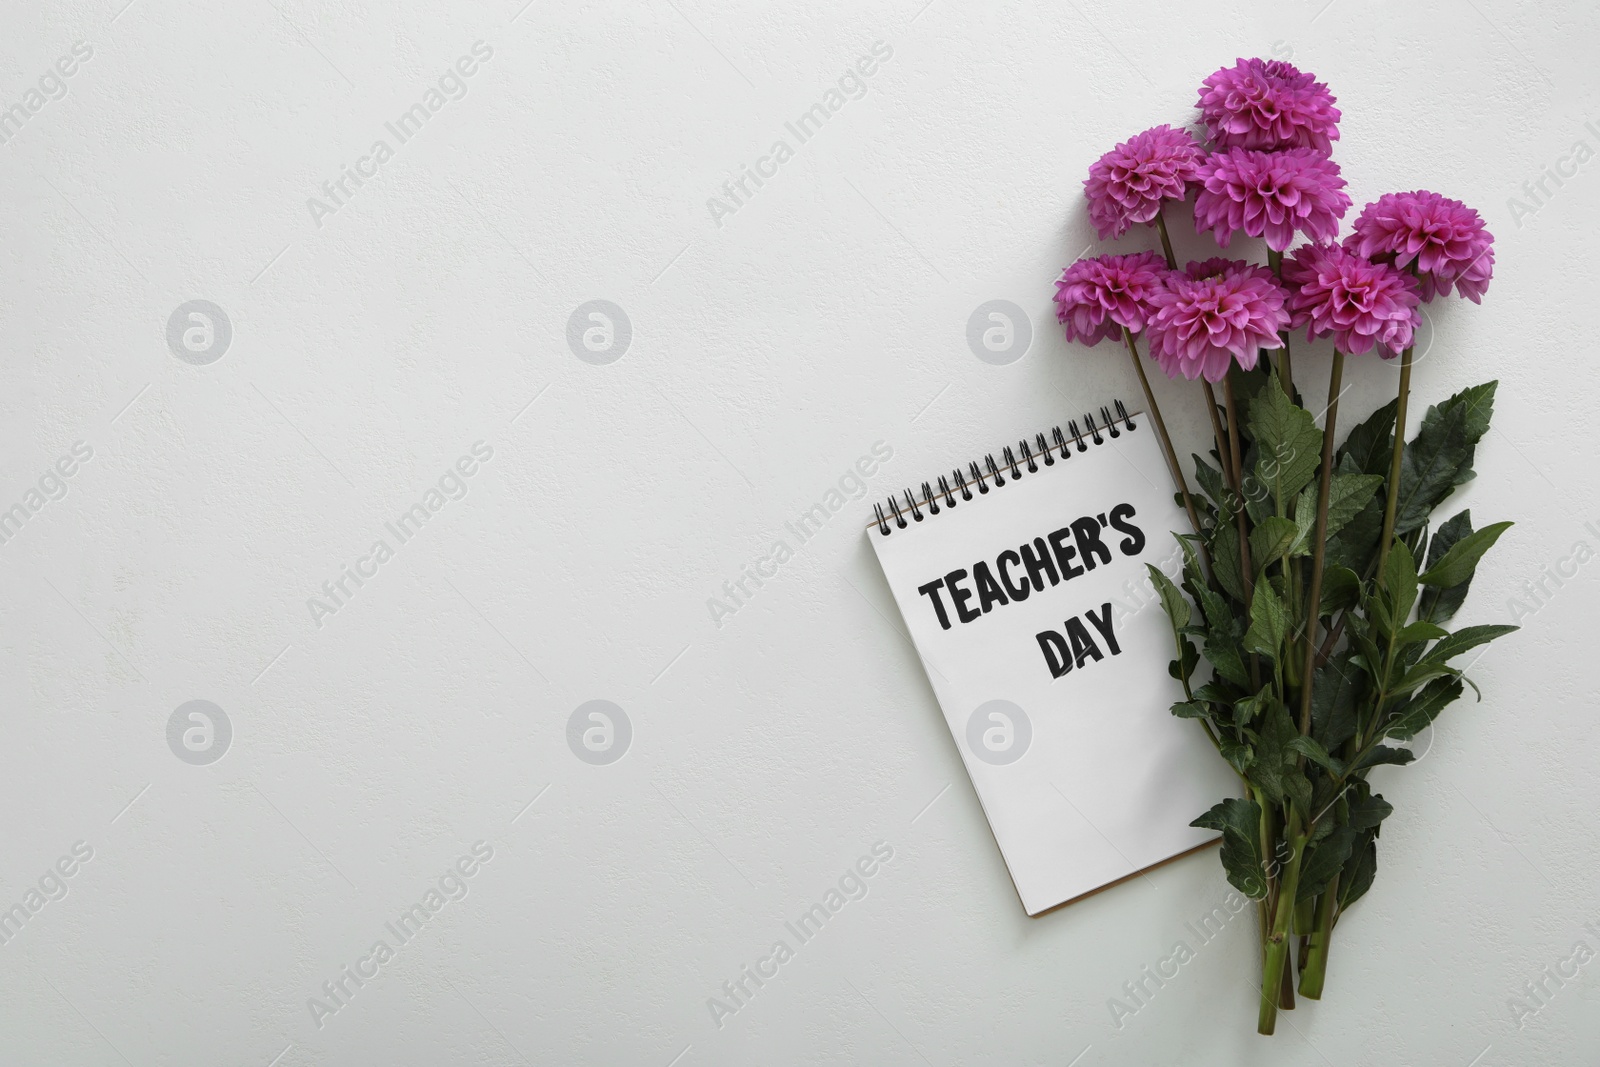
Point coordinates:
[(767, 354)]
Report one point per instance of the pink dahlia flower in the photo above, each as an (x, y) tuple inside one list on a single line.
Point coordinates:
[(1128, 183), (1266, 104), (1442, 240), (1214, 313), (1097, 297), (1364, 305), (1270, 194)]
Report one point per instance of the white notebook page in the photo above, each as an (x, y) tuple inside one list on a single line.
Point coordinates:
[(1085, 775)]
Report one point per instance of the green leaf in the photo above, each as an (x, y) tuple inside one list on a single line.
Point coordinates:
[(1225, 561), (1239, 821), (1359, 871), (1275, 768), (1324, 861), (1368, 658), (1419, 631), (1441, 456), (1327, 801), (1190, 709), (1214, 485), (1383, 754), (1269, 622), (1468, 637), (1440, 605), (1399, 583), (1421, 674), (1222, 650), (1236, 753), (1222, 636), (1271, 541), (1311, 750), (1476, 404), (1335, 688), (1341, 589), (1432, 467), (1258, 501), (1414, 716), (1348, 494), (1188, 659), (1288, 444), (1382, 620), (1247, 384), (1305, 519), (1356, 543), (1367, 811), (1214, 608), (1248, 710), (1176, 607), (1453, 530), (1192, 576), (1370, 446), (1457, 564)]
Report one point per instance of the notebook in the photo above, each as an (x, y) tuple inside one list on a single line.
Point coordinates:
[(1024, 588)]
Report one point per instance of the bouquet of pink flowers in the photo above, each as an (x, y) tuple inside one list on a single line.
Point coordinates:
[(1314, 584)]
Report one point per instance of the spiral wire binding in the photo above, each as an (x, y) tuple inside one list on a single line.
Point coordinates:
[(1014, 462)]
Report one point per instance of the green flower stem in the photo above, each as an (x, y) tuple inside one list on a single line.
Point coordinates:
[(1284, 363), (1315, 974), (1264, 904), (1291, 588), (1328, 911), (1286, 986), (1304, 914), (1221, 437), (1330, 640), (1246, 572), (1264, 917), (1277, 950), (1394, 462), (1166, 447), (1166, 242), (1320, 540)]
